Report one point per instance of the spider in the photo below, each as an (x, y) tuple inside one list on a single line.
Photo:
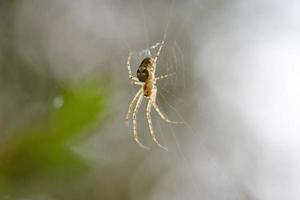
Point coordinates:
[(147, 80)]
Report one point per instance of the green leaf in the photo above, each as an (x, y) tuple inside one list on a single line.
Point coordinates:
[(41, 155)]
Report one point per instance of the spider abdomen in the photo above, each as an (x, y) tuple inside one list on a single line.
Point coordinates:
[(142, 72)]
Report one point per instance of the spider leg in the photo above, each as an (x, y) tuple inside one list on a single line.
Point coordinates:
[(132, 78), (138, 104), (164, 117), (138, 83), (157, 54), (131, 104), (159, 112), (159, 50), (164, 76), (148, 112)]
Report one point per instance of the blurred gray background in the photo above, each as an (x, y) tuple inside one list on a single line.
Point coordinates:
[(236, 88)]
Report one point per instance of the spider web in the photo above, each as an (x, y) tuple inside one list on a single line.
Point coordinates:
[(215, 145), (236, 89), (175, 97)]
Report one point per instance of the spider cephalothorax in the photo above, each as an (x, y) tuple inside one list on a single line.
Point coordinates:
[(146, 78)]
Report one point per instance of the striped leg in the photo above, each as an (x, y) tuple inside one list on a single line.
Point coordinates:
[(159, 112), (164, 117), (131, 104), (164, 76), (136, 109), (157, 54), (148, 112), (131, 78)]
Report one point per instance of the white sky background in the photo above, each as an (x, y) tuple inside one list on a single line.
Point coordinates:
[(252, 65), (246, 128)]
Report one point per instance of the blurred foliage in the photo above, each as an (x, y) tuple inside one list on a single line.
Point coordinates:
[(39, 155), (41, 118)]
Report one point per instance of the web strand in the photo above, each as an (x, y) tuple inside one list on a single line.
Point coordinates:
[(194, 136)]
